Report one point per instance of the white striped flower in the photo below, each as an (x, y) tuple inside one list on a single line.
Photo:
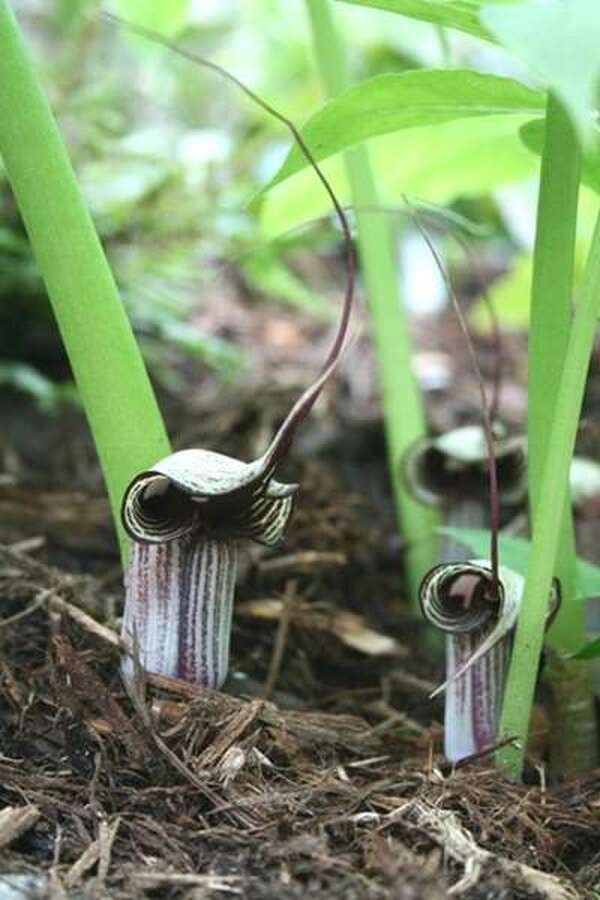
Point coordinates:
[(453, 467), (458, 598), (186, 514), (185, 517)]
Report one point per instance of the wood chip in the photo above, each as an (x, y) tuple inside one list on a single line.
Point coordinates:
[(348, 627), (15, 821), (460, 846)]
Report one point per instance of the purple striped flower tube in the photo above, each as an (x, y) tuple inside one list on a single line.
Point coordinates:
[(457, 598), (185, 517)]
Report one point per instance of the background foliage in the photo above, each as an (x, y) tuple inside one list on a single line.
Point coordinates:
[(174, 165)]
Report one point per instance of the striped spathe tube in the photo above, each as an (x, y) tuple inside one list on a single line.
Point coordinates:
[(186, 516), (458, 599)]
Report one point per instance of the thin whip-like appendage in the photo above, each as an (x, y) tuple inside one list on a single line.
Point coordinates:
[(343, 220), (494, 402), (485, 410)]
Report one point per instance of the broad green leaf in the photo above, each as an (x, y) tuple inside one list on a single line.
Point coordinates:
[(514, 553), (467, 157), (589, 651), (510, 298), (558, 40), (532, 135), (392, 102), (46, 393), (166, 18), (461, 14), (510, 294), (268, 274), (115, 186), (71, 12)]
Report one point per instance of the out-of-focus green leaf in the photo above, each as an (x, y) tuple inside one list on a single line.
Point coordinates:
[(461, 14), (532, 135), (165, 16), (510, 294), (589, 651), (114, 186), (68, 12), (214, 350), (393, 102), (559, 42), (514, 553), (509, 297), (466, 157), (46, 393), (267, 274)]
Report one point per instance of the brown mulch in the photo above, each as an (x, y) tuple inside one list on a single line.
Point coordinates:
[(333, 787)]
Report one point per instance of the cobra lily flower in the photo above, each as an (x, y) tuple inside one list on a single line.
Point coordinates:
[(459, 599), (476, 603), (186, 516), (451, 471)]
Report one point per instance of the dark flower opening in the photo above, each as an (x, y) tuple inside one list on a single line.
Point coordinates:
[(462, 601)]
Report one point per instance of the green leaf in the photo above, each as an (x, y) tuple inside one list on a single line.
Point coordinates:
[(114, 187), (532, 135), (409, 99), (509, 297), (510, 294), (167, 18), (558, 41), (514, 553), (589, 651), (268, 274), (467, 157), (461, 14), (46, 393)]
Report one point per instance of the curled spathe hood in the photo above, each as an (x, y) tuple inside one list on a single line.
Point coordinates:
[(210, 493), (205, 492), (490, 618), (456, 464)]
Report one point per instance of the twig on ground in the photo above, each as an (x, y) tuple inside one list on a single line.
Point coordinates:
[(280, 639)]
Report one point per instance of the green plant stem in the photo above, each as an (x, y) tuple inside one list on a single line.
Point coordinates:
[(550, 322), (548, 516), (401, 401), (106, 362)]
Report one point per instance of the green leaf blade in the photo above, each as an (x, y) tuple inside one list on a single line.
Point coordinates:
[(514, 553), (591, 650), (166, 18), (559, 43), (397, 101), (469, 157), (460, 14), (532, 134)]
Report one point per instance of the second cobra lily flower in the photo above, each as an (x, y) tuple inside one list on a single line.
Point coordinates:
[(458, 599)]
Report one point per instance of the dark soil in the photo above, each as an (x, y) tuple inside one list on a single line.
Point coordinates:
[(318, 773)]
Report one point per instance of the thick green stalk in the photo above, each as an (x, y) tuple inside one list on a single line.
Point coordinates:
[(573, 731), (106, 362), (401, 401), (550, 322), (548, 516)]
